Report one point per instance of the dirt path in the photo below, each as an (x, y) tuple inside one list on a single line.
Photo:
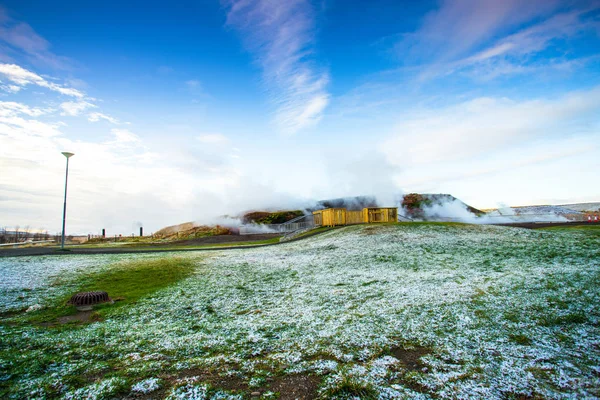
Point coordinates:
[(157, 248), (538, 225)]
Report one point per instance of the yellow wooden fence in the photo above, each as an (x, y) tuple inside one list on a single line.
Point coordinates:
[(341, 216)]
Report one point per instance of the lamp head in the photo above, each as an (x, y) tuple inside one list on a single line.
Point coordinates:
[(67, 154)]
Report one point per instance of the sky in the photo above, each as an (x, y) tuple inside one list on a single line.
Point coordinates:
[(204, 108)]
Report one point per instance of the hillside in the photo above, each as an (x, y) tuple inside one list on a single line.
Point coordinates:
[(583, 207), (270, 217), (416, 310), (190, 230)]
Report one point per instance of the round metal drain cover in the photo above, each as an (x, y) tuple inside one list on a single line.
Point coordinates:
[(85, 300)]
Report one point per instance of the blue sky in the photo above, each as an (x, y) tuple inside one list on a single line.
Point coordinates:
[(204, 108)]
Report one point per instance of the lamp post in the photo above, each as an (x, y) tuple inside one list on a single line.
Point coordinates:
[(62, 242)]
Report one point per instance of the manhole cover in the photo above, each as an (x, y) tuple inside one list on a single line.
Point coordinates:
[(85, 300)]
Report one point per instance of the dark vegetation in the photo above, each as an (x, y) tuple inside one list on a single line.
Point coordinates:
[(414, 203), (265, 217)]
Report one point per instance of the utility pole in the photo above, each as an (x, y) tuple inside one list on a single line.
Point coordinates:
[(62, 242)]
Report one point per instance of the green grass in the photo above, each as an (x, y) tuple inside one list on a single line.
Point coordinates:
[(314, 231), (351, 388), (125, 282)]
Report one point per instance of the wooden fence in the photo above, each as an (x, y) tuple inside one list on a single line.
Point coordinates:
[(341, 216)]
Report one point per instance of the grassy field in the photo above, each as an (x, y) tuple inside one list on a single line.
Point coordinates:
[(372, 312)]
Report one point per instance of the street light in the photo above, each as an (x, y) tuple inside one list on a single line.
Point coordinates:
[(62, 242)]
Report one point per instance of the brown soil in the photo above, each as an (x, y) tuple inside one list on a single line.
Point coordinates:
[(411, 358), (537, 225), (296, 387), (411, 362), (289, 387), (81, 317), (232, 383)]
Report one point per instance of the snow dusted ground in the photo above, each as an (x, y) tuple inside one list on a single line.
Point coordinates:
[(26, 281), (495, 312)]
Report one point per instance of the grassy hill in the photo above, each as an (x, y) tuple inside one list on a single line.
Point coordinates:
[(418, 310), (190, 230)]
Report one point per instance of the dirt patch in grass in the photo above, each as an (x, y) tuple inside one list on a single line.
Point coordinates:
[(229, 383), (11, 314), (371, 230), (79, 318), (411, 358), (298, 386), (289, 387)]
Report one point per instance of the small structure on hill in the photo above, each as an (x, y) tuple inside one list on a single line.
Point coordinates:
[(342, 216)]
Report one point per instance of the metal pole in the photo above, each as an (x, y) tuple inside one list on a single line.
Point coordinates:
[(62, 242)]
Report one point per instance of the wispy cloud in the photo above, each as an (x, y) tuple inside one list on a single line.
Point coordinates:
[(164, 70), (124, 137), (17, 121), (74, 108), (508, 54), (192, 83), (213, 138), (20, 37), (458, 27), (21, 77), (11, 108), (281, 34), (96, 117), (489, 36), (472, 129)]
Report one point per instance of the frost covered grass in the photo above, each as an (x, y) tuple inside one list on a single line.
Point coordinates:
[(381, 312)]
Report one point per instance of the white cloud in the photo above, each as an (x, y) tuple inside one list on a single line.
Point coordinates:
[(193, 83), (10, 88), (457, 36), (13, 126), (281, 34), (11, 108), (23, 77), (124, 136), (74, 108), (488, 150), (458, 27), (507, 55), (480, 125), (96, 116), (213, 138)]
